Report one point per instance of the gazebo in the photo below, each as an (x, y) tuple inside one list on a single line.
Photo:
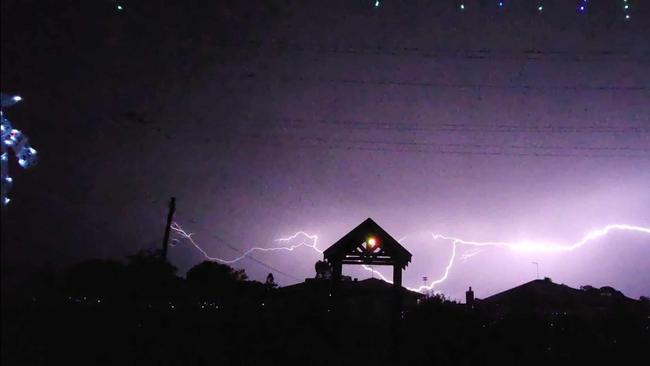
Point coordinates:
[(368, 244)]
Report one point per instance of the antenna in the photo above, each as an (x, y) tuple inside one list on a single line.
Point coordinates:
[(537, 267)]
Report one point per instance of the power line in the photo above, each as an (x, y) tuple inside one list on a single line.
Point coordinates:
[(436, 53), (471, 153), (442, 85), (263, 264), (460, 127), (439, 85), (390, 147), (491, 146)]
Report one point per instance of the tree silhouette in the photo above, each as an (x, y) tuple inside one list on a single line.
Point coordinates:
[(150, 277), (212, 280), (94, 278)]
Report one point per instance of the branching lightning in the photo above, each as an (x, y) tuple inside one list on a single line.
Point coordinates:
[(525, 246), (470, 254), (479, 246), (313, 238)]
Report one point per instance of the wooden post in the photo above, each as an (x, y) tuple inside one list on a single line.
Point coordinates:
[(397, 291), (396, 318), (170, 217), (397, 276), (337, 271)]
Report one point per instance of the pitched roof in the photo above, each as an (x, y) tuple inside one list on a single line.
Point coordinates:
[(545, 292), (390, 250), (533, 290)]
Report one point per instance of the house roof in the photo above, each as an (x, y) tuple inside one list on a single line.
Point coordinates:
[(349, 250), (546, 293), (366, 285)]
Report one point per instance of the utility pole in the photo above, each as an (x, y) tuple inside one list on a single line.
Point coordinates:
[(537, 267), (170, 217)]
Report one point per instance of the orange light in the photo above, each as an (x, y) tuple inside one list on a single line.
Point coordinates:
[(372, 244)]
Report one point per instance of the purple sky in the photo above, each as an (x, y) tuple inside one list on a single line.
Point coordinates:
[(347, 122)]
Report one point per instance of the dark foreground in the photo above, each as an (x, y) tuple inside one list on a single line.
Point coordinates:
[(231, 321), (435, 333)]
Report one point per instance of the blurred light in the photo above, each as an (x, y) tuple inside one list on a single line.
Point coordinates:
[(583, 6), (462, 6), (13, 140), (626, 10), (377, 4)]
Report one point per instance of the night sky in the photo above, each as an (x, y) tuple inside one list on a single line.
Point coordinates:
[(264, 118)]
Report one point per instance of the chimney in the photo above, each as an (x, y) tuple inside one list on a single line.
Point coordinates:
[(469, 297)]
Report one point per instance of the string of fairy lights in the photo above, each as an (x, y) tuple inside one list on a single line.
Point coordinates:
[(501, 4), (463, 5), (582, 8), (626, 9)]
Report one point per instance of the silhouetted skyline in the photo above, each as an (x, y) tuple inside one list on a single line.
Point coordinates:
[(268, 118)]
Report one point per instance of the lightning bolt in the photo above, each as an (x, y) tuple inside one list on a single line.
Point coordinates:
[(176, 228), (525, 246), (470, 254)]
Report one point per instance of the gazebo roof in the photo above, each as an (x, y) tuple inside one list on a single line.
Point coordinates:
[(354, 247)]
